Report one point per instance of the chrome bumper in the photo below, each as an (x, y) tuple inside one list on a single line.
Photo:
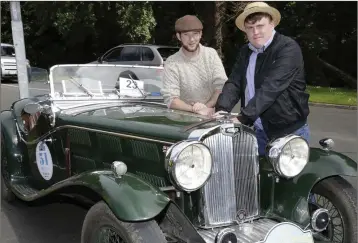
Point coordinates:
[(258, 231)]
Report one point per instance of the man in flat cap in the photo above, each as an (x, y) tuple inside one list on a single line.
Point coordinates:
[(268, 77), (194, 76)]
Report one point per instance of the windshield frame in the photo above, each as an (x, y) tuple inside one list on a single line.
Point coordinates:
[(53, 97)]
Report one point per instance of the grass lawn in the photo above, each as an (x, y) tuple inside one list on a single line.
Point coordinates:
[(337, 96)]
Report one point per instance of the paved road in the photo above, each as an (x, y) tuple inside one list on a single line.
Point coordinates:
[(58, 223)]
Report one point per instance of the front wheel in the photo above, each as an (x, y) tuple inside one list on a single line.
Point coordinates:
[(102, 226), (339, 198)]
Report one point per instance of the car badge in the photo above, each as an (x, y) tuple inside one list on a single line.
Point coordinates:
[(229, 129), (241, 215)]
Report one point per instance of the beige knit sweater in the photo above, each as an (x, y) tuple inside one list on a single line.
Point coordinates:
[(193, 79)]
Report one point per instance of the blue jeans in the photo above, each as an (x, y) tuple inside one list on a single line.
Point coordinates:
[(262, 139)]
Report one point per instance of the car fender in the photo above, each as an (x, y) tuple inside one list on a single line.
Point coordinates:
[(129, 197), (13, 150), (290, 196)]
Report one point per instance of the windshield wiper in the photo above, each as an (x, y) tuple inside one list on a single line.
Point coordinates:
[(117, 93), (79, 85), (135, 84)]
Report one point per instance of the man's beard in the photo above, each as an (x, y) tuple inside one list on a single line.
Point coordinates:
[(191, 50)]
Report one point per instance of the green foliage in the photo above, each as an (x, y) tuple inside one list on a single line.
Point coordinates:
[(138, 19), (78, 32), (325, 31), (337, 96)]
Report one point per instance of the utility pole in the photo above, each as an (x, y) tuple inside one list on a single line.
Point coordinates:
[(19, 43)]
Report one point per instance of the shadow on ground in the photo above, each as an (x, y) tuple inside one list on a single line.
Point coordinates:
[(55, 222)]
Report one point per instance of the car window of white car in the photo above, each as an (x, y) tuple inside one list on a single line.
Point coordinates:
[(130, 54), (7, 51), (148, 54), (113, 56), (165, 52)]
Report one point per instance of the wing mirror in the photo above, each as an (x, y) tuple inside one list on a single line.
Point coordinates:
[(33, 108)]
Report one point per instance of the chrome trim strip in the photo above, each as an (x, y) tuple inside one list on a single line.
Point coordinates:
[(83, 103), (167, 188), (259, 231), (103, 105), (200, 134), (87, 129)]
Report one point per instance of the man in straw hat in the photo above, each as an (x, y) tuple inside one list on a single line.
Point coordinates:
[(268, 77), (194, 76)]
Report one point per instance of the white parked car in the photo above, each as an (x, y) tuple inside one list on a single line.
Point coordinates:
[(8, 63)]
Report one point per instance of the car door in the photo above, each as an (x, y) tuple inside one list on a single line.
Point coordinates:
[(113, 56), (43, 155), (131, 55), (148, 57)]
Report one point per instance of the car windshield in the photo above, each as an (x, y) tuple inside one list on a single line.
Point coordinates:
[(7, 51), (105, 81)]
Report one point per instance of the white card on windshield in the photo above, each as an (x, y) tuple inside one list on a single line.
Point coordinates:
[(130, 87)]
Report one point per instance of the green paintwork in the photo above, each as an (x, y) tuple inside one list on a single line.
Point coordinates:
[(13, 151), (129, 197), (159, 122), (136, 134), (282, 199), (133, 206)]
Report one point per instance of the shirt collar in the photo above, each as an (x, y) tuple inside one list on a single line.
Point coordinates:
[(262, 49)]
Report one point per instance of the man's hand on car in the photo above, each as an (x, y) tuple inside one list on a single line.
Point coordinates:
[(198, 106), (206, 112), (219, 114), (233, 116)]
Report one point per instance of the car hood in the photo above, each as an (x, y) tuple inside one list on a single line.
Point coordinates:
[(154, 121)]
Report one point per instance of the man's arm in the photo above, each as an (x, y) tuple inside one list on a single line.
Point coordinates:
[(230, 94), (178, 104), (288, 62), (171, 88), (211, 103), (218, 78)]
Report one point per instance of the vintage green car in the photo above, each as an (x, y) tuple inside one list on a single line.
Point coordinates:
[(151, 174)]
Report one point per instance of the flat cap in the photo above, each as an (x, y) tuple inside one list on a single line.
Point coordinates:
[(188, 23)]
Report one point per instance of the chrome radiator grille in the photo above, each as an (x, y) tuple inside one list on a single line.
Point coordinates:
[(231, 194)]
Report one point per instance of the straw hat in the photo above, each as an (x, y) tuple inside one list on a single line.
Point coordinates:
[(256, 7)]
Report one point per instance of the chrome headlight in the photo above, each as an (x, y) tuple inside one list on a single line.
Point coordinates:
[(289, 155), (189, 164)]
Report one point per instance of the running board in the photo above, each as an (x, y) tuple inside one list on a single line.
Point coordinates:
[(25, 191)]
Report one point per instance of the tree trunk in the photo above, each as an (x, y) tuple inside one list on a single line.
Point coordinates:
[(219, 13), (349, 80)]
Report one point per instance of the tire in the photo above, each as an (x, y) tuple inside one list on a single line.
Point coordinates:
[(6, 193), (343, 196), (100, 216)]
